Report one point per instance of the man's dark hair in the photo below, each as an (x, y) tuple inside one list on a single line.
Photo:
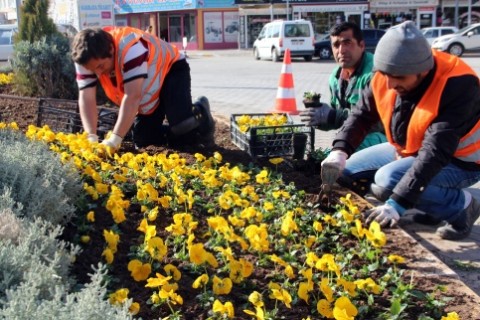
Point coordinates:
[(345, 26), (91, 44)]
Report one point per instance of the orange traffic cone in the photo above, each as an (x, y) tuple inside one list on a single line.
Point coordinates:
[(286, 102)]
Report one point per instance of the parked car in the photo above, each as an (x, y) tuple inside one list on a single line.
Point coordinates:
[(434, 32), (466, 39), (7, 34), (323, 48), (279, 35)]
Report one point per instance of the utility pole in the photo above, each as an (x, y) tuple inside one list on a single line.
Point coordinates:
[(469, 12), (18, 4), (288, 4), (456, 14)]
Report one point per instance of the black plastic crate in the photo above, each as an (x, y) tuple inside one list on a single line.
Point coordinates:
[(272, 141), (59, 115), (64, 116)]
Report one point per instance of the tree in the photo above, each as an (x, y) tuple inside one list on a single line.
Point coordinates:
[(34, 22)]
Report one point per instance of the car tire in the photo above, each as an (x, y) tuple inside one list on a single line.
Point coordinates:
[(307, 58), (275, 56), (256, 55), (325, 53), (455, 49)]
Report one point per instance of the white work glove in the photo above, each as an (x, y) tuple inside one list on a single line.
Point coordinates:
[(92, 137), (333, 166), (316, 116), (386, 215), (109, 146), (114, 141)]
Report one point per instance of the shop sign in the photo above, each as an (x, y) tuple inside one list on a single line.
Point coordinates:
[(326, 8), (461, 3), (95, 14), (319, 2), (402, 3), (137, 6)]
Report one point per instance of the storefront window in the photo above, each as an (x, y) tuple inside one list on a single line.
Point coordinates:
[(323, 21), (189, 27), (175, 28)]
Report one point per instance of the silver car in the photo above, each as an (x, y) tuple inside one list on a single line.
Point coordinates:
[(432, 33), (466, 39), (7, 34)]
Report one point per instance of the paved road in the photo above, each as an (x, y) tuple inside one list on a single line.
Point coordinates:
[(236, 83)]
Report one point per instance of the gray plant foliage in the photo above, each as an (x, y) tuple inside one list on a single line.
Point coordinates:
[(88, 303), (36, 178), (10, 227), (36, 255), (37, 196)]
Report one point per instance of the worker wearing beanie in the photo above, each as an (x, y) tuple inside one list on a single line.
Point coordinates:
[(429, 105)]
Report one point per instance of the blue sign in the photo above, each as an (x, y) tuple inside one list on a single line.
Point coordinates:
[(138, 6)]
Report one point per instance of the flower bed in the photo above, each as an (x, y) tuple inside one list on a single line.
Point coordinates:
[(208, 239)]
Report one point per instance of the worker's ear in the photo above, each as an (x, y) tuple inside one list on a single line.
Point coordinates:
[(362, 44)]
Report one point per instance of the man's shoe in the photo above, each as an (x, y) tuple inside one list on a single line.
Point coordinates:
[(462, 226), (425, 219), (204, 116)]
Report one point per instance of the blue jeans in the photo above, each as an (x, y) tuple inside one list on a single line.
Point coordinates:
[(443, 198)]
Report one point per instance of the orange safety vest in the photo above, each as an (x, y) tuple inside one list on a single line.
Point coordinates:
[(161, 56), (427, 109)]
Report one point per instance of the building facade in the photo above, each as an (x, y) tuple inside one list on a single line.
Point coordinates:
[(224, 24)]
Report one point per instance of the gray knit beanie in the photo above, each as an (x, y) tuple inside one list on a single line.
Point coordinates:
[(403, 50)]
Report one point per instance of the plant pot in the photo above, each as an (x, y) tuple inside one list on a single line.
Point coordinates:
[(299, 145), (311, 103)]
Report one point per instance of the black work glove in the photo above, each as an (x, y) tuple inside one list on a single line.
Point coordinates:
[(316, 116)]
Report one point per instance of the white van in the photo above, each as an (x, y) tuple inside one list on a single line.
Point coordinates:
[(279, 35)]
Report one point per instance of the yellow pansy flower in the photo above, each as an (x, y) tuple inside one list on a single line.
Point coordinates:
[(200, 281), (223, 309), (138, 270)]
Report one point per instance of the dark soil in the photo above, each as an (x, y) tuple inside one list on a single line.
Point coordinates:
[(302, 173)]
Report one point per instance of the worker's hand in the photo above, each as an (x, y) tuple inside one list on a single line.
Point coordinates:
[(110, 145), (92, 137), (386, 215), (316, 116), (333, 166)]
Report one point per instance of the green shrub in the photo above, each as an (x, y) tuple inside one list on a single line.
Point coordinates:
[(34, 21), (36, 178), (44, 68)]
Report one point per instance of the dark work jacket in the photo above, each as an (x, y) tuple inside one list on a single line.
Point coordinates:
[(459, 111)]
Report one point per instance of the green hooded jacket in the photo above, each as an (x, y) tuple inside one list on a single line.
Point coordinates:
[(342, 104)]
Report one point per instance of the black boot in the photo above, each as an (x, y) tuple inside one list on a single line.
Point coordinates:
[(462, 226), (426, 219), (201, 111)]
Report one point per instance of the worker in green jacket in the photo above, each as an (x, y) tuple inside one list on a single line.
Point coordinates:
[(353, 73)]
